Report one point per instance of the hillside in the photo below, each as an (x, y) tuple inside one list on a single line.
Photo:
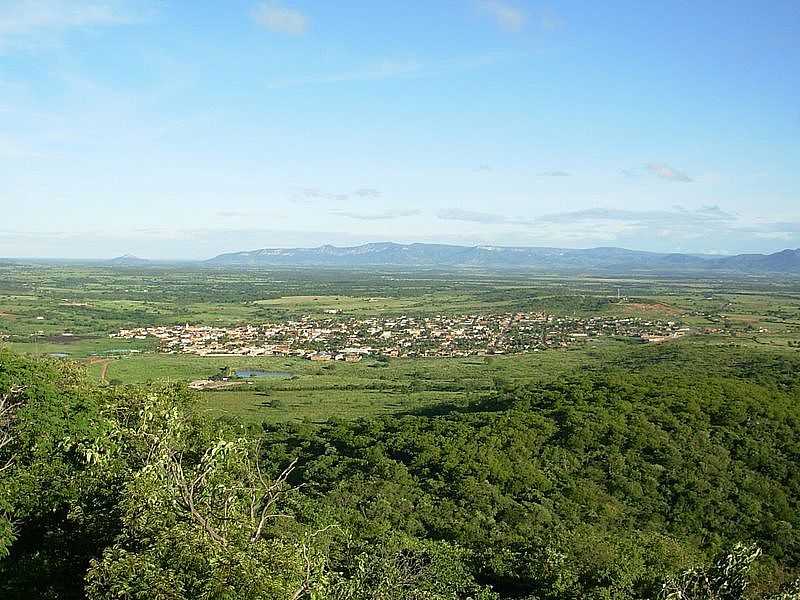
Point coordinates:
[(620, 481)]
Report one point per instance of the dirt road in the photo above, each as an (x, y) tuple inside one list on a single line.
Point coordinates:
[(104, 363)]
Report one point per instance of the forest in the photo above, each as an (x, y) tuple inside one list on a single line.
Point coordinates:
[(665, 472)]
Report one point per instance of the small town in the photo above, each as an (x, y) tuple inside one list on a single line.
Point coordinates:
[(404, 336)]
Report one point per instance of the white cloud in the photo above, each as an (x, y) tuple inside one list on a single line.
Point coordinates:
[(608, 224), (680, 219), (21, 20), (471, 216), (236, 214), (775, 235), (370, 193), (311, 195), (376, 216), (316, 196), (281, 19), (505, 15), (660, 170), (666, 172)]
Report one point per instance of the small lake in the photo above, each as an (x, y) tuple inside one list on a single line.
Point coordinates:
[(257, 374)]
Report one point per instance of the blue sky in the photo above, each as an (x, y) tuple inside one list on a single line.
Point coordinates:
[(182, 129)]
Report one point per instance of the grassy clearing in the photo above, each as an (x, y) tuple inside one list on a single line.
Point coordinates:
[(319, 391), (83, 347)]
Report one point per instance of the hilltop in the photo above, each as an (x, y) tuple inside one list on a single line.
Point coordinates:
[(129, 260)]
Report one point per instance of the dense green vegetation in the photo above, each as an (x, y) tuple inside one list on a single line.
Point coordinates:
[(613, 481), (605, 470), (625, 476)]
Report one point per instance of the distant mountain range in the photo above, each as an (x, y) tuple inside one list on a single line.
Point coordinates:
[(388, 254), (608, 260)]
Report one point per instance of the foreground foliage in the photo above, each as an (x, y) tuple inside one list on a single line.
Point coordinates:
[(669, 476)]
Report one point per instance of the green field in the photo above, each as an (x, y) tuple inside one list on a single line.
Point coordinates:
[(320, 391)]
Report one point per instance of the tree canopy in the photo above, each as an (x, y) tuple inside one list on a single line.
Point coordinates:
[(636, 480)]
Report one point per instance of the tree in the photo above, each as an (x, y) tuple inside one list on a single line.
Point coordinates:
[(44, 493), (726, 579), (200, 520), (11, 400), (403, 568)]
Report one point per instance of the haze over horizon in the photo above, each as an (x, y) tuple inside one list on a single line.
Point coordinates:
[(184, 130)]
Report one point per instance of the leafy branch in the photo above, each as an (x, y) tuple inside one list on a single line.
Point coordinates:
[(10, 402)]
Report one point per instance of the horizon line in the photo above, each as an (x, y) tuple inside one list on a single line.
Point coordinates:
[(201, 260)]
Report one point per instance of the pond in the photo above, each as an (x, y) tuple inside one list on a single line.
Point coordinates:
[(258, 374)]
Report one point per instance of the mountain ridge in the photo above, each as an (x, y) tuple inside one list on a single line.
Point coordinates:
[(530, 257)]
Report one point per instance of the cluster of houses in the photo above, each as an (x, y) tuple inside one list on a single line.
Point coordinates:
[(351, 339)]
